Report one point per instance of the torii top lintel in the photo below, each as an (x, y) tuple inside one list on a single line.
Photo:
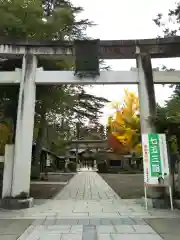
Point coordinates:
[(109, 49)]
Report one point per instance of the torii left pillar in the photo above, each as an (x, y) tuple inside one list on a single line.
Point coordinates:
[(16, 178)]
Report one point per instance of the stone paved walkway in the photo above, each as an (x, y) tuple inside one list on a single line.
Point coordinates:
[(87, 209)]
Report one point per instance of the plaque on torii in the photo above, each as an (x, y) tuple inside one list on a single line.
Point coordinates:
[(86, 58)]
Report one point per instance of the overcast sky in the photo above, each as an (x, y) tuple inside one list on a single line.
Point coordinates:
[(130, 19)]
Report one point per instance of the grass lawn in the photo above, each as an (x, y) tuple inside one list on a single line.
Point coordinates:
[(48, 191), (127, 186), (45, 190), (59, 177)]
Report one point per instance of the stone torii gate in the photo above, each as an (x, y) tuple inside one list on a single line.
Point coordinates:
[(18, 157)]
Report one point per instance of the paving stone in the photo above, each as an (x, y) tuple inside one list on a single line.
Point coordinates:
[(50, 236), (104, 215), (59, 229), (27, 232), (104, 237), (117, 221), (89, 233), (143, 229), (83, 221), (35, 235), (72, 237), (92, 186), (105, 229), (106, 222), (48, 222), (66, 221), (76, 229), (89, 227), (138, 221), (95, 221), (124, 229), (73, 215), (38, 222), (135, 237), (127, 221)]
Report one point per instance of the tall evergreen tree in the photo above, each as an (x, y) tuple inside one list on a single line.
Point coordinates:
[(46, 20)]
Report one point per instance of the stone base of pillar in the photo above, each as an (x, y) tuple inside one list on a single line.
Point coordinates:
[(8, 169), (156, 203), (161, 203), (159, 198), (8, 201), (15, 204)]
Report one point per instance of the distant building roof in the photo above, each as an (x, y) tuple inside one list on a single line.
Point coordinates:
[(48, 151), (80, 150)]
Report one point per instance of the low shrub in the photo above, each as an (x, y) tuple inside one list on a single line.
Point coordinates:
[(72, 166), (22, 195), (35, 172), (102, 167)]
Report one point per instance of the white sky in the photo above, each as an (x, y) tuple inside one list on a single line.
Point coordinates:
[(130, 19)]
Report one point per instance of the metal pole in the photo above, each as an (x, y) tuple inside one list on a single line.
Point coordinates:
[(77, 138), (77, 135)]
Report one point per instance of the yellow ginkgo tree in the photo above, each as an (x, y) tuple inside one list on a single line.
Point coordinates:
[(4, 137), (6, 132), (124, 125)]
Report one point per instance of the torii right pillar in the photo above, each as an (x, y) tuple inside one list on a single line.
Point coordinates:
[(148, 113)]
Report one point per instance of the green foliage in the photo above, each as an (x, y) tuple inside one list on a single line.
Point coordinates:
[(174, 16), (168, 121), (57, 107), (26, 20), (35, 172), (102, 167), (21, 19), (92, 131), (168, 117), (72, 166), (100, 157), (173, 144)]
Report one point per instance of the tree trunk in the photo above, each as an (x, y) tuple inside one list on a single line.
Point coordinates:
[(178, 162), (39, 140), (77, 138), (14, 120), (178, 180)]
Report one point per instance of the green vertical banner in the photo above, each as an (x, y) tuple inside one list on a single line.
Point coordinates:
[(154, 154)]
